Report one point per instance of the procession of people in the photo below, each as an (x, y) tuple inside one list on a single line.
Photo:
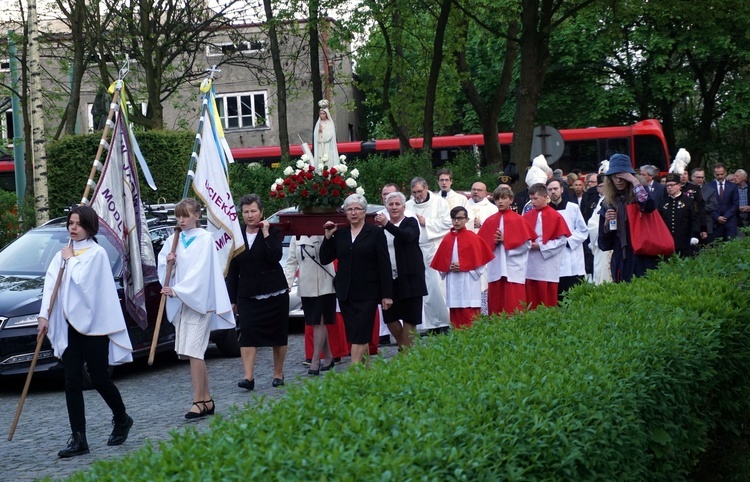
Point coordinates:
[(425, 265)]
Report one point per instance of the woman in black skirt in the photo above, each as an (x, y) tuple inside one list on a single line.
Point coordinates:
[(363, 278), (259, 293)]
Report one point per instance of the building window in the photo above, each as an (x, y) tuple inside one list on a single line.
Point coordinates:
[(6, 127), (243, 111), (4, 65), (245, 47)]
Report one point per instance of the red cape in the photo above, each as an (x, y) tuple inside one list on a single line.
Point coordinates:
[(553, 224), (472, 251), (516, 231)]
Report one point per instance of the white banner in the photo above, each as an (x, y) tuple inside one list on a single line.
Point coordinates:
[(117, 201), (211, 185)]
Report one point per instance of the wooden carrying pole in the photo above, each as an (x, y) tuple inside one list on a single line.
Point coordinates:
[(97, 166), (36, 351), (163, 301)]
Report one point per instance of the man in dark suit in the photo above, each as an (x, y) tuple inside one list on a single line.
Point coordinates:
[(725, 216), (654, 187)]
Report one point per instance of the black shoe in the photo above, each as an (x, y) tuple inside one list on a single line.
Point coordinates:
[(325, 368), (246, 384), (384, 340), (120, 431), (313, 372), (200, 413), (307, 362), (212, 410), (277, 382), (77, 445), (337, 360)]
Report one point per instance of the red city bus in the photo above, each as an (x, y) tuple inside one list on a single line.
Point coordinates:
[(585, 148), (7, 176)]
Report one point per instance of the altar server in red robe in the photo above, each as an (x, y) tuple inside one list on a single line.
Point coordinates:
[(509, 236), (543, 268), (461, 258)]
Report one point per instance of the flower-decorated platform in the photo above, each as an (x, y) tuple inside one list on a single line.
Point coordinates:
[(318, 191), (311, 224)]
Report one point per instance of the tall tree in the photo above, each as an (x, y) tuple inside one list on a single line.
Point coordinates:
[(41, 198), (279, 74), (165, 38)]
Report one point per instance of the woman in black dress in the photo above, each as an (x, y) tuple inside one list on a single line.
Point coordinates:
[(259, 293), (363, 278)]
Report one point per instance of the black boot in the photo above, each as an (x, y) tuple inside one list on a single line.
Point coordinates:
[(120, 431), (77, 445)]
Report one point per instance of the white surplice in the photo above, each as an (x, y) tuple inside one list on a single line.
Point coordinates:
[(544, 263), (88, 299), (510, 263), (572, 262), (463, 289), (437, 224), (602, 259), (197, 279)]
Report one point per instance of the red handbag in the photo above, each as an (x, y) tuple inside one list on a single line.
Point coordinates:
[(649, 236)]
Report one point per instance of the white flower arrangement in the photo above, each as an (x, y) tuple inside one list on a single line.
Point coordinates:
[(354, 173), (360, 191), (351, 183), (288, 171)]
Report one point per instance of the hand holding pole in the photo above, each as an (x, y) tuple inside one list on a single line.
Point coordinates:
[(163, 301)]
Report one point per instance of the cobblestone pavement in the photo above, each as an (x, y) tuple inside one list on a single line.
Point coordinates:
[(156, 397)]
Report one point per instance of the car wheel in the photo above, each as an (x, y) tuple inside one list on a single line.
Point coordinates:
[(229, 344), (87, 384)]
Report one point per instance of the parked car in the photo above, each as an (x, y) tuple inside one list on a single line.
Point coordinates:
[(23, 264)]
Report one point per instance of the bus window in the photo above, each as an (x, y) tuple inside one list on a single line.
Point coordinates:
[(8, 181), (583, 155), (649, 150), (616, 145)]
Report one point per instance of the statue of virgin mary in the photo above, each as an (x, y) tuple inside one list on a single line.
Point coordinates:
[(324, 137)]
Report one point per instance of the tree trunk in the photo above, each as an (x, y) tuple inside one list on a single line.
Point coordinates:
[(403, 139), (432, 81), (315, 79), (41, 198), (278, 71), (488, 114), (534, 61), (76, 18)]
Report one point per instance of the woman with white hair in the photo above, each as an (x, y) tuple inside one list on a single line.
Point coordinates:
[(363, 278), (324, 137), (407, 266)]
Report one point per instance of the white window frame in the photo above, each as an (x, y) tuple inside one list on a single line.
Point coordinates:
[(222, 101), (3, 64), (212, 51), (90, 105)]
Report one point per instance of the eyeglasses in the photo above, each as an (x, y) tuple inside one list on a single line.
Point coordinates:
[(459, 218), (354, 210)]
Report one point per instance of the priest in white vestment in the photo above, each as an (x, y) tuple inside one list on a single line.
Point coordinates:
[(445, 181), (572, 264), (434, 218)]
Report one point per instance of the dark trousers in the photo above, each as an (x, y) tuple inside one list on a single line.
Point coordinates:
[(565, 283), (94, 351)]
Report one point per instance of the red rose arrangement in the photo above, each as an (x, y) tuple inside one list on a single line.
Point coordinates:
[(307, 186)]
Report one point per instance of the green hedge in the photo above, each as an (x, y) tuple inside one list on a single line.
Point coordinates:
[(168, 156), (69, 162), (8, 217), (623, 382)]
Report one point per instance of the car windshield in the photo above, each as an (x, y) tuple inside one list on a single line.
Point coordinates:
[(32, 253)]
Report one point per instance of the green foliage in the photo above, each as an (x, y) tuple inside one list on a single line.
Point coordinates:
[(250, 178), (9, 226), (377, 171), (70, 158), (464, 168), (623, 382)]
